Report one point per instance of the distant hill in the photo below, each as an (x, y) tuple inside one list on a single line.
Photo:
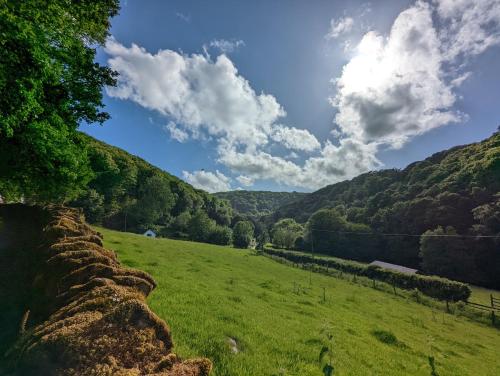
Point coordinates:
[(128, 193), (456, 189), (258, 203), (469, 171)]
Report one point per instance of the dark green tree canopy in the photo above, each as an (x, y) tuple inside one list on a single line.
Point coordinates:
[(49, 84), (285, 232), (243, 233)]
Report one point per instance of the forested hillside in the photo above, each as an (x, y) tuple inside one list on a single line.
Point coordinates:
[(453, 192), (257, 203), (127, 193)]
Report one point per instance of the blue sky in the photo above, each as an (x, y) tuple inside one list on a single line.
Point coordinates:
[(295, 95)]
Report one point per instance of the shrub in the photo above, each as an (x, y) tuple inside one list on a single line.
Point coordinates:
[(436, 287), (385, 337)]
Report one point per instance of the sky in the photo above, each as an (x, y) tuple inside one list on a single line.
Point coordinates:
[(288, 95)]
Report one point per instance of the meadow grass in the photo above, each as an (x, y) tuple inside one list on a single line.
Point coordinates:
[(482, 295), (219, 300)]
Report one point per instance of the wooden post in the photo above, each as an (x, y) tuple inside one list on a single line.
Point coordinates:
[(447, 306), (492, 310)]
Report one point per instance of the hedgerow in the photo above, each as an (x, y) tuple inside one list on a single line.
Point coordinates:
[(436, 287)]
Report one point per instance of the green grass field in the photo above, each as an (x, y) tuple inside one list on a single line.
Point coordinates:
[(209, 294)]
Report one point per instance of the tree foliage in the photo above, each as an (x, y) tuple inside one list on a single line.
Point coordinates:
[(456, 188), (127, 193), (258, 203), (243, 233), (49, 83), (285, 233)]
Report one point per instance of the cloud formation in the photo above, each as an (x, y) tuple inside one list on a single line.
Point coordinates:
[(195, 91), (208, 181), (295, 139), (469, 27), (339, 27), (334, 163), (226, 46), (394, 87), (202, 95), (176, 133), (247, 181)]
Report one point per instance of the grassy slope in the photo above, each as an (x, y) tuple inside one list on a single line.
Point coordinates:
[(208, 293)]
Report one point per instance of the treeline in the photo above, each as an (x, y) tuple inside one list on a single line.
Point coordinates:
[(126, 193), (439, 288), (258, 203), (453, 198)]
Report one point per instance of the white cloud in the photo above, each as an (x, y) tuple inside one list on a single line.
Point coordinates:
[(334, 164), (469, 26), (195, 91), (208, 181), (394, 87), (339, 27), (176, 133), (183, 17), (205, 95), (295, 139), (226, 46), (402, 85), (247, 181)]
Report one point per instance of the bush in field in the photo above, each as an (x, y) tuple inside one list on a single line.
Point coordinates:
[(285, 232), (243, 232)]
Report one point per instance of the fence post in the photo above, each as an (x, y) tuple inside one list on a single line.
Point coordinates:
[(492, 310)]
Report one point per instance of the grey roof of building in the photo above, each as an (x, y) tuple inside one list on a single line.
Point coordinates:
[(398, 268)]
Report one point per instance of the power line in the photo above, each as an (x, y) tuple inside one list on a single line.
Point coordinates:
[(408, 235)]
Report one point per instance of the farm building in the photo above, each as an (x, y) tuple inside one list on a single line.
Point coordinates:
[(150, 234), (396, 268)]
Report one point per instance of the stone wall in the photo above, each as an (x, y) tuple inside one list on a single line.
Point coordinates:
[(86, 314)]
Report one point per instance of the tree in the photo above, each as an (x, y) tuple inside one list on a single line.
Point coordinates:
[(330, 232), (200, 226), (243, 234), (220, 210), (181, 222), (92, 204), (221, 235), (49, 83), (285, 232), (154, 202), (444, 254), (324, 230)]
